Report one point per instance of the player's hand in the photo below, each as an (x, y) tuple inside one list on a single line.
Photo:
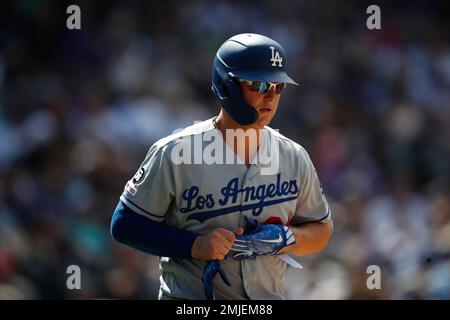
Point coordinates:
[(262, 239), (214, 245)]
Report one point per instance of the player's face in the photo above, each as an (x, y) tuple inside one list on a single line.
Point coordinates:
[(265, 103)]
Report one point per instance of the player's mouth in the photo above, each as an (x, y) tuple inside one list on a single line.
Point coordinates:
[(265, 110)]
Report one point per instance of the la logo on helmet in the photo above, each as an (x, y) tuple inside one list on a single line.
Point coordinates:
[(276, 57)]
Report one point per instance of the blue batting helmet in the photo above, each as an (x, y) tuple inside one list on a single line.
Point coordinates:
[(246, 56)]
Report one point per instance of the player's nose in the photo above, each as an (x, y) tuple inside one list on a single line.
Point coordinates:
[(270, 94)]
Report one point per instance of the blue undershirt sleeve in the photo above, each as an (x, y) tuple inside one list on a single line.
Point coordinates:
[(152, 237)]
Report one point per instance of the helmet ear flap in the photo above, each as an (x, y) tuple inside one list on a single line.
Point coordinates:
[(228, 90), (235, 103), (232, 86), (218, 86)]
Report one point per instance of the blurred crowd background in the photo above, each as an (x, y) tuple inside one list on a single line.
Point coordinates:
[(80, 108)]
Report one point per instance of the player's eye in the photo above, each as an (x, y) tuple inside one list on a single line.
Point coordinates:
[(263, 87), (259, 86), (279, 87)]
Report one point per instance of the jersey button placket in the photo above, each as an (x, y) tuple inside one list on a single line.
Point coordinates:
[(246, 270)]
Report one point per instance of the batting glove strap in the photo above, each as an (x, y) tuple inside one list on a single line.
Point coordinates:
[(212, 267), (268, 240)]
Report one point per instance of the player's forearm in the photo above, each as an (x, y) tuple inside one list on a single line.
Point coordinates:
[(310, 238), (148, 236)]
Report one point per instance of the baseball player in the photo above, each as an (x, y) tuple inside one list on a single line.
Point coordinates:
[(207, 200)]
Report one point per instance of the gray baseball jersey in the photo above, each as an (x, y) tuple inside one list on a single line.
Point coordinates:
[(186, 190)]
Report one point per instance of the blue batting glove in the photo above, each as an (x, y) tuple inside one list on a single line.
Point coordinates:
[(262, 239)]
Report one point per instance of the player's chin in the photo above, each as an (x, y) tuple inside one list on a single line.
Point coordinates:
[(264, 119)]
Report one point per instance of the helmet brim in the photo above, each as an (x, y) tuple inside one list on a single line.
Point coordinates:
[(268, 76)]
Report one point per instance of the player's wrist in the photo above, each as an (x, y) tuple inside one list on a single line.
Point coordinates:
[(196, 247), (290, 240)]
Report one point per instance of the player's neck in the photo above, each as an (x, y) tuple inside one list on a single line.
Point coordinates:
[(225, 122)]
